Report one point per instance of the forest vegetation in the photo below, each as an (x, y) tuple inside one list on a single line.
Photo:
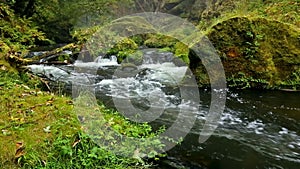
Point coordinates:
[(258, 42)]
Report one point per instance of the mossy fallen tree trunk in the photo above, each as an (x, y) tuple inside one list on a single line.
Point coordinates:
[(255, 52), (57, 56), (15, 61)]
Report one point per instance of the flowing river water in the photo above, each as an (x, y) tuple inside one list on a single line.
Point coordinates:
[(258, 129)]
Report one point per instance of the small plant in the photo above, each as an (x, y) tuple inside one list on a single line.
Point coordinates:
[(252, 45), (292, 82), (242, 81)]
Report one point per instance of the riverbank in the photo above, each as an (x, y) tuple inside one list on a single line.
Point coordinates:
[(39, 129)]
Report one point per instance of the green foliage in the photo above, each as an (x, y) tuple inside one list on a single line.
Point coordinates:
[(57, 18), (125, 48), (129, 139), (25, 112), (165, 49), (261, 52), (17, 31), (252, 45), (50, 131), (138, 39), (292, 82), (11, 79), (182, 52), (78, 151), (242, 81), (281, 10), (17, 36), (81, 35)]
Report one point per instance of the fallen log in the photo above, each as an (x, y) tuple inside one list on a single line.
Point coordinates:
[(52, 57)]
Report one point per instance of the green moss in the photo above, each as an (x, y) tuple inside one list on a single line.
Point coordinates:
[(123, 49), (138, 39), (165, 49), (263, 50), (135, 58), (259, 39), (182, 52), (280, 10), (170, 44), (159, 41), (81, 35), (258, 42)]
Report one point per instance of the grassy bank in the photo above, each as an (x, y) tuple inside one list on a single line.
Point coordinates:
[(39, 129)]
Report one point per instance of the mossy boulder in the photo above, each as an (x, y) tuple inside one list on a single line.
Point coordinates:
[(181, 51), (170, 44), (125, 48), (159, 41), (256, 52)]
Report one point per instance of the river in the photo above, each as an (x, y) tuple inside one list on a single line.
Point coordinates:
[(258, 128)]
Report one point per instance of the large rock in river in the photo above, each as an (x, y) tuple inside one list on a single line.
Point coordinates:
[(255, 52)]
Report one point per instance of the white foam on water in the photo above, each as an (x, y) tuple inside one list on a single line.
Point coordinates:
[(99, 62), (283, 131), (166, 72), (50, 72), (255, 124), (94, 64)]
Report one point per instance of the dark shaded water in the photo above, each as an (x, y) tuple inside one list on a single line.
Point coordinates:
[(258, 129)]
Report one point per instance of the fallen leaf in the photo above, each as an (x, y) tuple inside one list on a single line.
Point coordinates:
[(32, 107), (47, 129), (12, 118), (51, 99), (6, 132), (49, 103), (25, 94), (26, 87), (20, 149), (76, 142), (33, 93), (70, 102)]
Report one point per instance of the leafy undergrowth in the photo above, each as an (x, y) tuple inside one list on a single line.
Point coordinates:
[(40, 130), (17, 36)]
